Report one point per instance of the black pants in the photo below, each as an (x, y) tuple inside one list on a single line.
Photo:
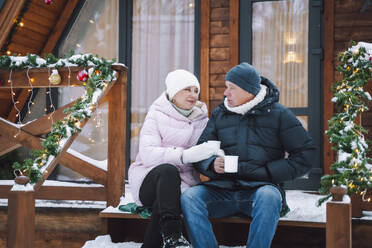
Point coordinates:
[(161, 190)]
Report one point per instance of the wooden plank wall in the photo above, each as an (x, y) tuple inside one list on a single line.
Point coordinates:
[(217, 41), (351, 24), (59, 227)]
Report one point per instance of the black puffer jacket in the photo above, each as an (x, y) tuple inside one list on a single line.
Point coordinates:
[(260, 138)]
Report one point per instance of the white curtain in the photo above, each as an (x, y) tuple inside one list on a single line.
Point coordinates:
[(280, 47), (163, 40), (95, 31)]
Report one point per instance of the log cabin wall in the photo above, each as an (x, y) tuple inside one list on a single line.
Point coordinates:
[(352, 23), (219, 47), (344, 21)]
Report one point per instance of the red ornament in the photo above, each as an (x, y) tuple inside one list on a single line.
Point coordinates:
[(82, 76), (2, 82), (48, 2)]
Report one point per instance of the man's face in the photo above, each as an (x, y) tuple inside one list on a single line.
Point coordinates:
[(235, 95)]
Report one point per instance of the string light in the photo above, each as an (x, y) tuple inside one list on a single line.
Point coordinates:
[(31, 90), (69, 82), (18, 22), (13, 95), (50, 99)]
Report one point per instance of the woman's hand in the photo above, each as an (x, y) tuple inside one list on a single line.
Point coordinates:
[(219, 165), (199, 152)]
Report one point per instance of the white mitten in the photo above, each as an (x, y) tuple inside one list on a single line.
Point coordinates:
[(220, 153), (198, 153)]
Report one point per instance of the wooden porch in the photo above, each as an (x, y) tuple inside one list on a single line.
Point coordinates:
[(58, 225)]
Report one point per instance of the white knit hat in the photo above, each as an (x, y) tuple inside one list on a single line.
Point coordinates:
[(178, 80)]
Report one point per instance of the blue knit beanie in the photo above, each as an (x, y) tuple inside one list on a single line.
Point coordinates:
[(246, 77)]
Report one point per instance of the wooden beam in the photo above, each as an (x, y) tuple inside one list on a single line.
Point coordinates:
[(84, 168), (204, 52), (21, 98), (52, 164), (7, 146), (9, 12), (5, 95), (71, 193), (50, 167), (43, 125), (41, 75), (56, 32), (329, 70), (116, 142), (234, 32), (17, 135), (21, 219), (48, 192), (338, 225)]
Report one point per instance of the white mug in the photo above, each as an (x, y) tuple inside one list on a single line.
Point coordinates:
[(231, 164)]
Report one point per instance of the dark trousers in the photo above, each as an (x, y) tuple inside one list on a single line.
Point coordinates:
[(161, 190)]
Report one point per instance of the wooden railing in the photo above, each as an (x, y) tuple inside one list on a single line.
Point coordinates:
[(21, 203)]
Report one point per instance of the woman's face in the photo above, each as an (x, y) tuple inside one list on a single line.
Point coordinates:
[(186, 98)]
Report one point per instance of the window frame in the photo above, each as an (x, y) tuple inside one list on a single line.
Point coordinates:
[(315, 80)]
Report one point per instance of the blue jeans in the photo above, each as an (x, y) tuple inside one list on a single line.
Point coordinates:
[(202, 202)]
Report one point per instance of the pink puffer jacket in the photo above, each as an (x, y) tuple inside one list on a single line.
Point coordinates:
[(163, 137)]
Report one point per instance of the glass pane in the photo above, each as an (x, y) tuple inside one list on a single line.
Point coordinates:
[(280, 47), (163, 40), (95, 31), (304, 121)]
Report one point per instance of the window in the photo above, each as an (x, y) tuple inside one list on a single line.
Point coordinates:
[(282, 39), (163, 40), (151, 37)]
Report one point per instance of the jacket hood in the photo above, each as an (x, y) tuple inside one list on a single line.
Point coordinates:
[(163, 105), (272, 96)]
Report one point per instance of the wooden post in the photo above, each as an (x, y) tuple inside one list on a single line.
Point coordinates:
[(329, 72), (204, 52), (116, 141), (21, 219), (338, 225)]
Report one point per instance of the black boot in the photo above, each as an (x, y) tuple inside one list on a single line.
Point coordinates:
[(173, 242), (171, 230)]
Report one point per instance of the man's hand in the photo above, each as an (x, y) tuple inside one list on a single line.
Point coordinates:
[(219, 165)]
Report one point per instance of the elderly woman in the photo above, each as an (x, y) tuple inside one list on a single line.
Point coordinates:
[(162, 169)]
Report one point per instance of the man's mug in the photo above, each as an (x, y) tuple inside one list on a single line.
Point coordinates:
[(231, 164)]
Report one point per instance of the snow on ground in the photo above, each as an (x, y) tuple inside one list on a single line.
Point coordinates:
[(302, 204), (105, 242)]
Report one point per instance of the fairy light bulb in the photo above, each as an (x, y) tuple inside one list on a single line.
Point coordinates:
[(8, 52)]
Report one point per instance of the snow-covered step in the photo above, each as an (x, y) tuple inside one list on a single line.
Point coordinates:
[(304, 211)]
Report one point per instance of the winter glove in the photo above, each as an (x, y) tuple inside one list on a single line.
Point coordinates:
[(199, 153)]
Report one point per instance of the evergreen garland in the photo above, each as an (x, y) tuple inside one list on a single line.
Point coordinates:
[(100, 76), (352, 169)]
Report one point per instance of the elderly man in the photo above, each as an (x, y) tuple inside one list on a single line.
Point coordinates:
[(251, 124)]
